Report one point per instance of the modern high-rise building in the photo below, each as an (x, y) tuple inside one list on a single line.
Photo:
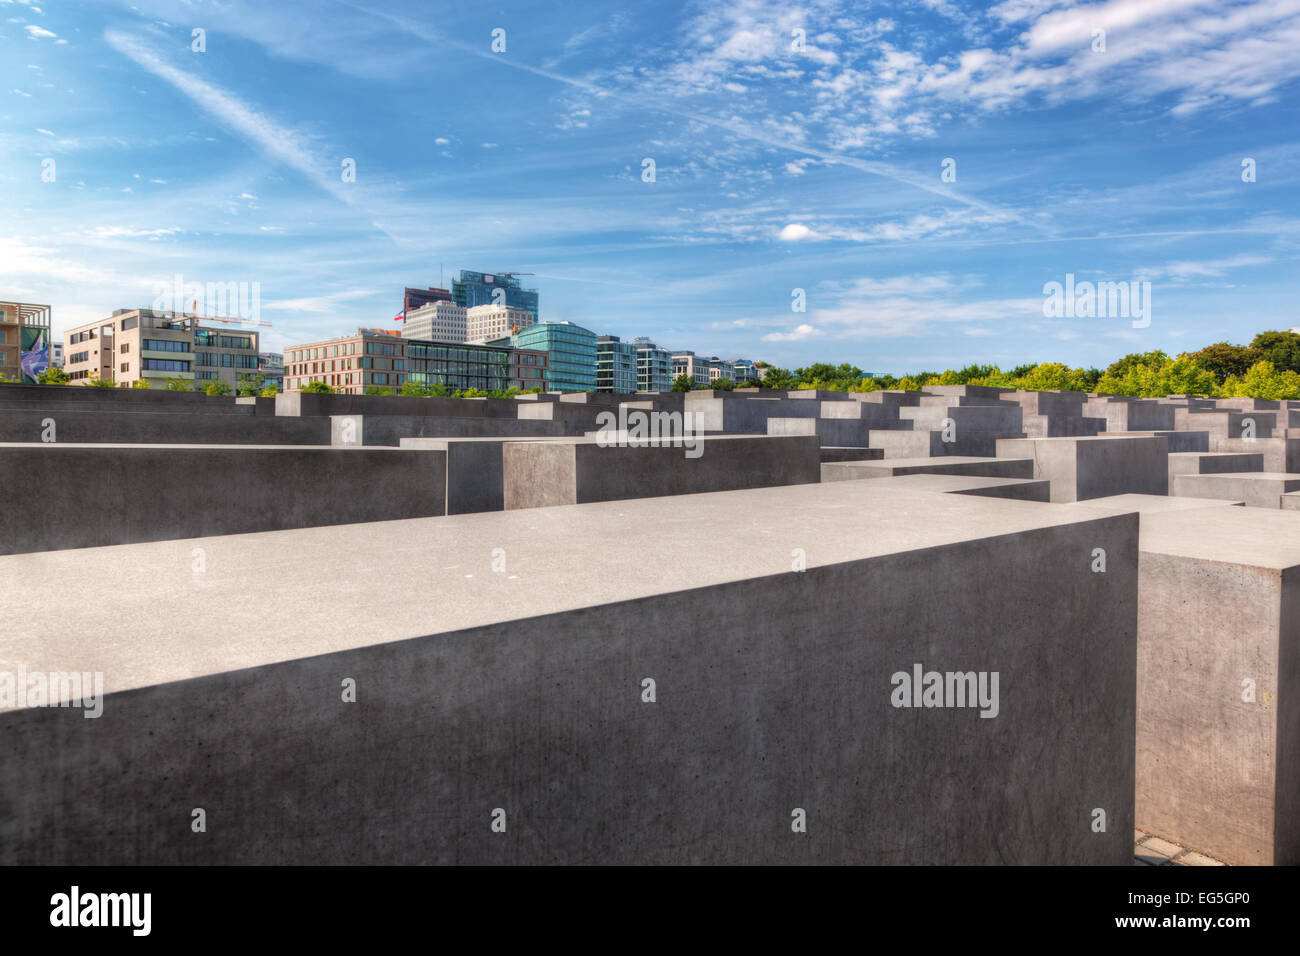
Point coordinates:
[(24, 340), (347, 363), (154, 346), (686, 362), (441, 321), (615, 365), (571, 353), (654, 367), (372, 357), (485, 288), (413, 299), (483, 323), (743, 371)]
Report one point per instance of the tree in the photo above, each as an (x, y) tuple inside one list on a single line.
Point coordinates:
[(683, 383), (779, 378), (178, 384), (378, 390), (317, 388), (250, 385), (141, 383), (1264, 380), (1151, 360), (1282, 349), (216, 387), (415, 390), (1223, 359), (722, 385), (53, 375), (96, 382), (270, 391)]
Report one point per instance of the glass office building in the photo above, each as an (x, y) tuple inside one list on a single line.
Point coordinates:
[(571, 353), (486, 288), (615, 365), (457, 366)]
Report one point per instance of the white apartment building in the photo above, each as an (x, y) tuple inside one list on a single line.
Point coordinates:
[(483, 323), (441, 321)]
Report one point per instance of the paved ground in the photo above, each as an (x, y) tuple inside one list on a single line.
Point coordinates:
[(1150, 850)]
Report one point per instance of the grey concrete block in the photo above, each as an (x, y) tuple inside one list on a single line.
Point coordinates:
[(76, 424), (475, 476), (541, 474), (1020, 489), (829, 431), (920, 444), (118, 494), (1214, 462), (1150, 504), (520, 688), (1021, 468), (1099, 467), (1219, 622), (1259, 489), (843, 453), (1281, 453)]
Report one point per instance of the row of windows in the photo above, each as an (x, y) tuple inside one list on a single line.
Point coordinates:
[(79, 357), (329, 351), (165, 365), (225, 360), (214, 340), (162, 345)]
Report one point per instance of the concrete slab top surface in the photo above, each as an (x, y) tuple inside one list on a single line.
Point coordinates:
[(943, 483), (1255, 537), (1151, 504), (1237, 475), (142, 614), (920, 461)]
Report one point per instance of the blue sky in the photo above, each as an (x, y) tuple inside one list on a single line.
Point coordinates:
[(775, 168)]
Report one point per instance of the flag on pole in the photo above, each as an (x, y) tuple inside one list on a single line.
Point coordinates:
[(400, 316)]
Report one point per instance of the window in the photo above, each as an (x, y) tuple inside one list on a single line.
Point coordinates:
[(165, 365), (246, 361), (206, 358), (227, 360), (125, 367), (131, 323), (79, 357)]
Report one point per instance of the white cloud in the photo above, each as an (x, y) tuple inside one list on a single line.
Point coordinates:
[(799, 333), (797, 231), (38, 32), (116, 232)]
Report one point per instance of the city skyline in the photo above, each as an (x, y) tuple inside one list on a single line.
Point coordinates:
[(819, 168)]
